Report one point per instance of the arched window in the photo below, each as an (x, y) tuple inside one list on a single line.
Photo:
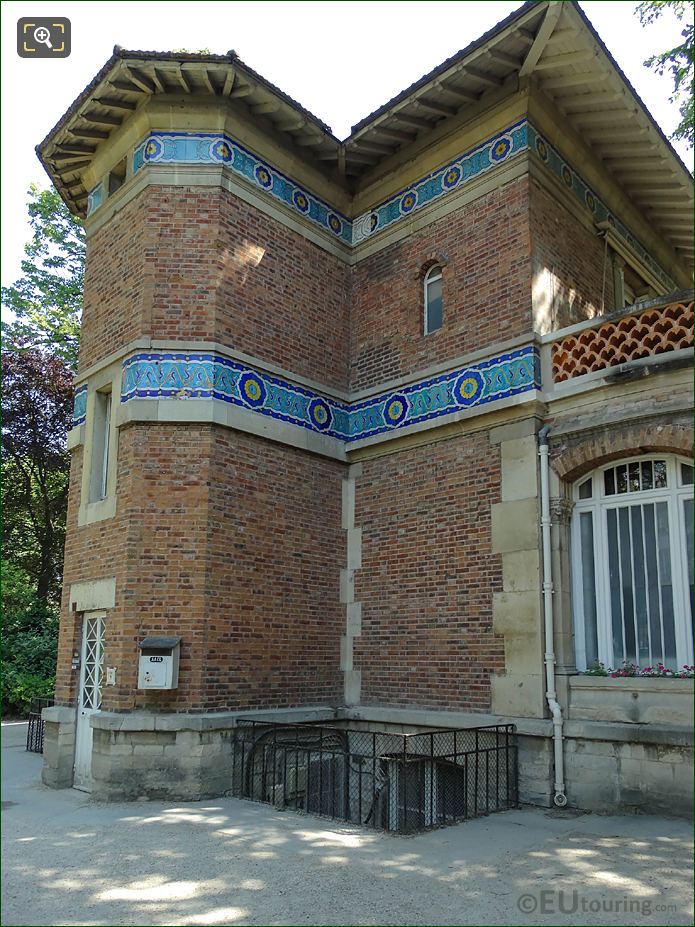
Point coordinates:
[(632, 556), (433, 299)]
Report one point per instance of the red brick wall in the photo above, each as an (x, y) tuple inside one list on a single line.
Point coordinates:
[(191, 263), (428, 575), (118, 283), (292, 308), (275, 551), (487, 289), (574, 257), (229, 541)]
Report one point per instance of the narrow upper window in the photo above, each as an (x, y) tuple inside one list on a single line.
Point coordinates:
[(433, 299), (117, 176), (100, 446)]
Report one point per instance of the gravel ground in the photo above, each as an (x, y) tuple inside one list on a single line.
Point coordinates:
[(70, 861)]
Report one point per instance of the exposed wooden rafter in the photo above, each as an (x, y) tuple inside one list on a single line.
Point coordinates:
[(141, 80), (563, 61), (414, 121), (266, 107), (550, 20), (209, 83), (88, 133), (466, 96), (126, 86), (488, 79), (102, 119), (184, 80), (291, 125), (568, 81), (436, 109), (242, 90), (397, 134), (594, 100), (509, 61), (115, 103), (229, 82)]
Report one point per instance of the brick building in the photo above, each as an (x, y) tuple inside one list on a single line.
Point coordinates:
[(394, 430)]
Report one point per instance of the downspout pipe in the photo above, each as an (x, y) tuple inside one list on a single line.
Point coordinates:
[(560, 798)]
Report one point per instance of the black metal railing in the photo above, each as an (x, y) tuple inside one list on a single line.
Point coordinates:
[(391, 781), (35, 730)]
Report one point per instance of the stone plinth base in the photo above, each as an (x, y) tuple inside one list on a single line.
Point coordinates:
[(171, 756), (58, 747)]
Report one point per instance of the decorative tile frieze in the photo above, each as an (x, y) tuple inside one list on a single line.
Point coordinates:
[(79, 408), (442, 182), (575, 184), (191, 376), (95, 198)]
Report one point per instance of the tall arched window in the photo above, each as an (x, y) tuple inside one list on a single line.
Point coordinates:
[(632, 557), (433, 304)]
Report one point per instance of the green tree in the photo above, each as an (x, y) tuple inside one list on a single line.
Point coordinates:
[(679, 60), (40, 345), (46, 301), (37, 409)]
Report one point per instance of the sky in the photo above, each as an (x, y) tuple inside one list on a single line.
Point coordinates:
[(339, 59)]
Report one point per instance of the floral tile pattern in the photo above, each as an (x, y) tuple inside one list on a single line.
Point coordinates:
[(192, 376)]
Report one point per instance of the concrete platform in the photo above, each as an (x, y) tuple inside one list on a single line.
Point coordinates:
[(69, 861)]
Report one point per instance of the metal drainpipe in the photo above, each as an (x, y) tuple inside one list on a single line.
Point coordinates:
[(560, 799)]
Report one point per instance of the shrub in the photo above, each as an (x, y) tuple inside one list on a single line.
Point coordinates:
[(18, 688), (28, 646)]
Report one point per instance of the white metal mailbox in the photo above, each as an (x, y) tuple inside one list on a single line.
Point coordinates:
[(159, 663)]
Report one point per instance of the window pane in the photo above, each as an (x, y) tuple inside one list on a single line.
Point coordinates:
[(659, 474), (664, 548), (639, 585), (434, 305), (614, 571), (688, 516), (686, 474), (626, 584), (652, 569), (647, 475), (586, 530), (609, 482), (621, 478), (634, 477), (585, 489)]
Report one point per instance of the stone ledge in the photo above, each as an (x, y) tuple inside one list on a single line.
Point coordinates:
[(59, 714), (433, 717), (647, 683), (675, 735), (142, 721)]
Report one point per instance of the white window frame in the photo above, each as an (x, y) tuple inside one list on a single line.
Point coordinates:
[(598, 505), (432, 276)]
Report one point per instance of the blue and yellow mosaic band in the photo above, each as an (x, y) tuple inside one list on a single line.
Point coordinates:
[(94, 199), (211, 148), (208, 376), (79, 407), (574, 183), (465, 168)]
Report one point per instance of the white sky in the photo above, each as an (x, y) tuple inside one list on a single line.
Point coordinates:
[(341, 60)]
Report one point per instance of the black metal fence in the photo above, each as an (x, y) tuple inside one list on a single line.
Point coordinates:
[(391, 781), (35, 730)]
